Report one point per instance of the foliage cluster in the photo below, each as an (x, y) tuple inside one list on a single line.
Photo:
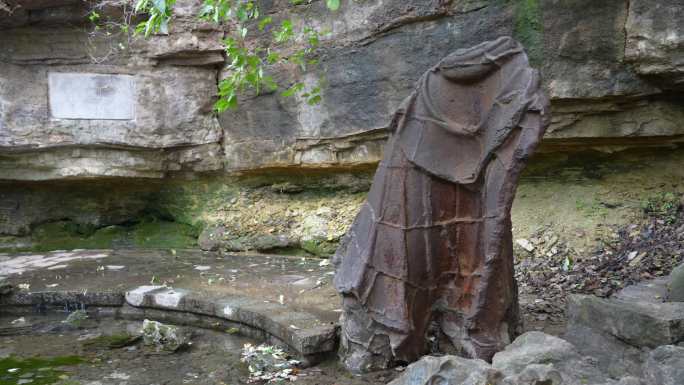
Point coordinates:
[(663, 205), (247, 64)]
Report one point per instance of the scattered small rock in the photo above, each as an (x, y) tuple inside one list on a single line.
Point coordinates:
[(164, 337), (76, 318), (269, 363)]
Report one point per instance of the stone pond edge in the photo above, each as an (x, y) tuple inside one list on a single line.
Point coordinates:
[(300, 332)]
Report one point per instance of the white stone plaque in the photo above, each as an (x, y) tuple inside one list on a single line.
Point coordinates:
[(91, 96)]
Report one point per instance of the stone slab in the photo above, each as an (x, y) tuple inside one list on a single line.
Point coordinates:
[(613, 356), (91, 96), (300, 330), (665, 366), (649, 291), (640, 324), (253, 293)]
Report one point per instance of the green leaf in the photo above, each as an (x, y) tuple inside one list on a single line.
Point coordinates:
[(333, 5), (316, 99), (160, 5), (94, 17), (270, 83), (141, 5), (221, 105), (293, 89), (266, 21), (272, 57)]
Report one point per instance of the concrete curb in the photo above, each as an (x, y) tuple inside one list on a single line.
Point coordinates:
[(302, 333)]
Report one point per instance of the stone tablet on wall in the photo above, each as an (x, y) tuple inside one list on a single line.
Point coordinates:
[(91, 96)]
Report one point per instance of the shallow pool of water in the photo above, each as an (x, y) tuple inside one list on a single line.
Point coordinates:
[(44, 350)]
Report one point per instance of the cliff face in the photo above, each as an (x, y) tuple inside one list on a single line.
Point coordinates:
[(613, 70), (74, 104)]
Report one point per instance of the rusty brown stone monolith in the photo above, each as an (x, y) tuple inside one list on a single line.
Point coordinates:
[(428, 264)]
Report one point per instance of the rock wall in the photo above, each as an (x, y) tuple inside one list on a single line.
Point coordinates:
[(172, 126), (132, 111)]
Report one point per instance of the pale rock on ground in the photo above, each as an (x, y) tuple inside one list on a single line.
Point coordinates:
[(534, 358), (665, 366), (676, 285)]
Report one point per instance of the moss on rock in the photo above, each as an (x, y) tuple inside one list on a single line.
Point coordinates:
[(320, 248), (529, 29), (67, 235)]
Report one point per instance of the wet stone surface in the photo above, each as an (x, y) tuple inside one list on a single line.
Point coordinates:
[(303, 284), (213, 357), (108, 356)]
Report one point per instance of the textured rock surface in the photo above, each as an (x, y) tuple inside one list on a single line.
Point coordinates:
[(665, 366), (676, 285), (655, 40), (448, 370), (613, 356), (168, 126), (604, 70), (430, 254), (641, 324), (533, 348), (596, 98), (619, 332), (534, 358)]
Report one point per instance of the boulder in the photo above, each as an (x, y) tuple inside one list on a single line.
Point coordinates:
[(665, 366), (676, 285), (260, 242), (534, 358), (537, 358), (448, 370), (619, 332), (164, 337), (637, 323), (613, 356), (536, 374), (533, 348), (654, 290)]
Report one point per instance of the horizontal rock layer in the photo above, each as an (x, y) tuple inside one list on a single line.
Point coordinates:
[(614, 76)]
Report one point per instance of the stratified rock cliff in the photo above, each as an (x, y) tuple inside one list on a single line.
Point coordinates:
[(172, 127), (116, 114)]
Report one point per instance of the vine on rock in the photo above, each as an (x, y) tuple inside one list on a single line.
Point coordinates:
[(247, 63)]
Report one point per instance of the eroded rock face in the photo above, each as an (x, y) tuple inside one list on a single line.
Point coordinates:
[(665, 366), (655, 40), (597, 99), (604, 70), (75, 105), (430, 253), (369, 62)]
